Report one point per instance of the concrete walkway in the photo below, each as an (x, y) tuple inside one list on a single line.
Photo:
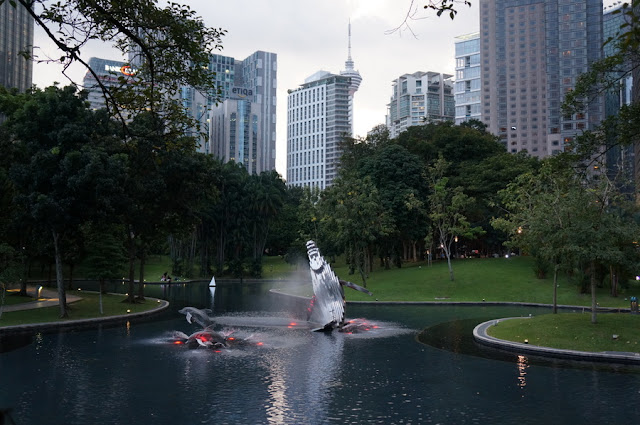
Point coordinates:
[(48, 298)]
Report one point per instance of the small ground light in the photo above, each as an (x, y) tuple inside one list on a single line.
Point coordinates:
[(128, 311), (526, 341)]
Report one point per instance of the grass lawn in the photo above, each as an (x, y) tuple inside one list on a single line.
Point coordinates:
[(489, 279), (88, 307), (11, 297), (574, 331)]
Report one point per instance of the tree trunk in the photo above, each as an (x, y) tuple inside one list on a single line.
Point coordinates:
[(614, 281), (555, 288), (141, 279), (70, 287), (448, 254), (62, 296), (132, 270), (594, 305), (101, 290), (25, 274)]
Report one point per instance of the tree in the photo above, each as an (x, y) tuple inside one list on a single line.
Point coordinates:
[(399, 177), (355, 218), (57, 141), (106, 255), (266, 192), (447, 207), (169, 46), (570, 220)]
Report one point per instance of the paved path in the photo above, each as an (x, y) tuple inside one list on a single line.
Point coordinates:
[(48, 298)]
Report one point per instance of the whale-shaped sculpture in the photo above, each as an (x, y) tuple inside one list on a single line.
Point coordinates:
[(328, 303)]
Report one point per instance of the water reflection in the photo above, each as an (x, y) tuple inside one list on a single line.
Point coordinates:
[(121, 376), (302, 382), (523, 365)]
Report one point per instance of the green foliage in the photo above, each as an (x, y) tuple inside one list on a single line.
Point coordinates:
[(579, 223), (170, 44), (106, 255), (447, 211), (354, 216)]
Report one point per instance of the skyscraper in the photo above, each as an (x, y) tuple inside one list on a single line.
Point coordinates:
[(243, 126), (467, 86), (16, 36), (418, 98), (620, 161), (319, 116), (532, 52)]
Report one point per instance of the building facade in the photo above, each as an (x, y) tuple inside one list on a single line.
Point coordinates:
[(620, 162), (237, 123), (108, 72), (420, 98), (16, 36), (467, 88), (318, 118), (532, 52), (248, 104)]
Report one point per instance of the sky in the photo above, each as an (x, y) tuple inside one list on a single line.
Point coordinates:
[(309, 36)]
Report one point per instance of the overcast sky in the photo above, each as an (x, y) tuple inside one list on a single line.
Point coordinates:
[(309, 36)]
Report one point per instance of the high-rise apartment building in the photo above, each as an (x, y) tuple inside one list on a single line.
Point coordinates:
[(419, 98), (467, 86), (532, 52), (318, 118), (242, 127), (16, 36)]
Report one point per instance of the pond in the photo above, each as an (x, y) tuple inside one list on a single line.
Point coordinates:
[(397, 374)]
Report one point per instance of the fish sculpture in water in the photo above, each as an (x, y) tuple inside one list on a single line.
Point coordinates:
[(328, 303), (197, 315), (208, 337)]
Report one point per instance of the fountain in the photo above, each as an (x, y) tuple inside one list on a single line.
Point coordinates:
[(392, 374)]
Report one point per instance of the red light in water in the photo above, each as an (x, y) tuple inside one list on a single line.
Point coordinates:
[(259, 344), (231, 339), (178, 342), (375, 327), (218, 351), (293, 324)]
